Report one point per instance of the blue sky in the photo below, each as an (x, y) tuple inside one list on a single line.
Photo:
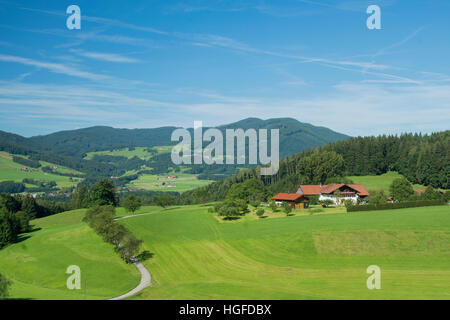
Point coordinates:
[(140, 64)]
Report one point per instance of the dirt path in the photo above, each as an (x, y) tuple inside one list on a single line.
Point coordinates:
[(146, 278), (146, 281)]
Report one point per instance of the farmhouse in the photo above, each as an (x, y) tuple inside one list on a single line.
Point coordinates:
[(296, 201), (338, 193)]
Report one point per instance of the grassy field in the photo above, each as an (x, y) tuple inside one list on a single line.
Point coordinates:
[(380, 182), (309, 256), (298, 257), (9, 170), (38, 262), (183, 182), (140, 152), (154, 182)]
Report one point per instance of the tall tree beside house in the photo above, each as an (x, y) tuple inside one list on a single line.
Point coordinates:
[(319, 167), (401, 189), (431, 194), (251, 190), (376, 197), (104, 193)]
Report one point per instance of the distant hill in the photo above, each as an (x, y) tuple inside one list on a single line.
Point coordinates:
[(295, 136), (68, 148)]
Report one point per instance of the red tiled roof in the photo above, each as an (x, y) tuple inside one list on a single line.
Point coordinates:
[(330, 188), (287, 196), (360, 188), (310, 189), (419, 192)]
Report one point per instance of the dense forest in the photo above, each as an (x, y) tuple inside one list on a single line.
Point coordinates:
[(422, 159), (294, 137)]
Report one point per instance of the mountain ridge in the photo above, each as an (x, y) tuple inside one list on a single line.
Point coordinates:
[(295, 136)]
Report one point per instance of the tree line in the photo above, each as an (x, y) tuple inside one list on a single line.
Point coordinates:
[(422, 159), (16, 212)]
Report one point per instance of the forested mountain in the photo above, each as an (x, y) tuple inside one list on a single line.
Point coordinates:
[(422, 159), (294, 137), (78, 142), (68, 148)]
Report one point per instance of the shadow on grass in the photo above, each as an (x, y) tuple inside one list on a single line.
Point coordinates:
[(230, 218), (21, 238), (145, 255), (34, 229), (171, 208)]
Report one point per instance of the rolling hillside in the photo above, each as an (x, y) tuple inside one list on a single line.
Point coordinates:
[(302, 257), (295, 136), (11, 171)]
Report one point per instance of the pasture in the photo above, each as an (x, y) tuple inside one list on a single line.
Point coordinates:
[(380, 182), (298, 257), (37, 263), (10, 171), (318, 256), (140, 152), (182, 182)]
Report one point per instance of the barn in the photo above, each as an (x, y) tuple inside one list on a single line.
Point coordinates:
[(295, 200)]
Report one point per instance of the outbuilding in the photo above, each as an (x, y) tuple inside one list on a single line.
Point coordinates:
[(295, 200)]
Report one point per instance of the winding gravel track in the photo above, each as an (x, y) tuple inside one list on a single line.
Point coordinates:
[(146, 278), (146, 281)]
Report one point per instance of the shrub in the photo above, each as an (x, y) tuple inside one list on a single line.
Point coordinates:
[(287, 208), (398, 205), (273, 206), (260, 212), (326, 203), (255, 204)]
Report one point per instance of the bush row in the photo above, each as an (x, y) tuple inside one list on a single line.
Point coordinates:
[(101, 219), (398, 205)]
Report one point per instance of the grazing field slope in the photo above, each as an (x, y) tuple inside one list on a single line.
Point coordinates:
[(195, 256), (37, 263), (11, 171), (304, 257), (380, 182)]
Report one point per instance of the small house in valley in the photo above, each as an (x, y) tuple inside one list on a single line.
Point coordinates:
[(296, 201)]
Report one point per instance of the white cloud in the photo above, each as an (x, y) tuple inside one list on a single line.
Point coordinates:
[(110, 57), (53, 67)]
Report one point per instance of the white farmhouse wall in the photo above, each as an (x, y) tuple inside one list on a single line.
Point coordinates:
[(337, 200)]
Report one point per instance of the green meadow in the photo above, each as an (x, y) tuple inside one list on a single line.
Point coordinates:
[(10, 171), (37, 264), (183, 182), (140, 152), (198, 256), (297, 257), (380, 182)]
